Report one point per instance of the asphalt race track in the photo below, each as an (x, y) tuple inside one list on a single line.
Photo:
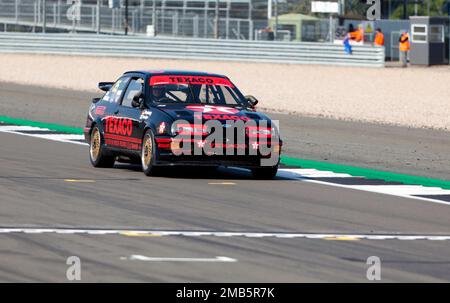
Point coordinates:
[(55, 205)]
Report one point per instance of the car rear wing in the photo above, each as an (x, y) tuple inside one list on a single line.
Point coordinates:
[(105, 86)]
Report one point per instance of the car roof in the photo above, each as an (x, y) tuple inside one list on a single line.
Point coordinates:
[(175, 72)]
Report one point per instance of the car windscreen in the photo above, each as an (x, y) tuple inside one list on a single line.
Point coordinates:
[(195, 89)]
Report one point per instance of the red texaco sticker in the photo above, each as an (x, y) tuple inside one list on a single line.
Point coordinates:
[(212, 109)]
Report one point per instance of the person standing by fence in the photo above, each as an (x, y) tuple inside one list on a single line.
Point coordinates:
[(356, 35), (347, 45), (404, 47), (359, 36), (379, 38), (348, 37)]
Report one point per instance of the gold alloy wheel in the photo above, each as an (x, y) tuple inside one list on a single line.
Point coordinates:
[(95, 144), (147, 152)]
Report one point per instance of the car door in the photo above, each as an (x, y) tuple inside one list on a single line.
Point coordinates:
[(130, 125), (112, 100)]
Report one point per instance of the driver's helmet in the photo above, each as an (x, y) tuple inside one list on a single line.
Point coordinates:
[(158, 91)]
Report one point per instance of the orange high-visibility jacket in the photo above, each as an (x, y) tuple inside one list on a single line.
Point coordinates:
[(379, 39), (359, 35), (404, 43)]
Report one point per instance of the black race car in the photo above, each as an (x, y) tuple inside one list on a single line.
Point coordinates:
[(160, 118)]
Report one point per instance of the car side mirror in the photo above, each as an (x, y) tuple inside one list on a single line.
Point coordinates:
[(251, 100), (137, 101)]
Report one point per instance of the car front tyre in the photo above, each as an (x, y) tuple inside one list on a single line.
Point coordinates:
[(97, 154)]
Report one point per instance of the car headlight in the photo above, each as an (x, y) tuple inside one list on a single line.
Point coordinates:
[(256, 131), (188, 129), (174, 129)]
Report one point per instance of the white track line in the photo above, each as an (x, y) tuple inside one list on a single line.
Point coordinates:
[(153, 259), (299, 173), (222, 234), (56, 137), (404, 191), (13, 128), (373, 189)]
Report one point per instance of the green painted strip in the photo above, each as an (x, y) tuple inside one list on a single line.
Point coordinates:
[(366, 172), (51, 126), (304, 163)]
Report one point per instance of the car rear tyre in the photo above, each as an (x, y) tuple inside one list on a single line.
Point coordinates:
[(97, 154), (265, 173), (148, 154)]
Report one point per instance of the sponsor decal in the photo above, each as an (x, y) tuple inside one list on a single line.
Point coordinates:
[(119, 126), (117, 96), (118, 133), (212, 109), (100, 110), (213, 112), (226, 117), (145, 114), (122, 144), (186, 79), (116, 86), (106, 97), (162, 128)]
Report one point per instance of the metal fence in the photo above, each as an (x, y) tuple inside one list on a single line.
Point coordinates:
[(180, 48), (189, 18)]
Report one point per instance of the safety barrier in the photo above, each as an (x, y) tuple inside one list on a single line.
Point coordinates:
[(182, 48)]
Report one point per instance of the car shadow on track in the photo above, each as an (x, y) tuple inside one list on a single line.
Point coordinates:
[(221, 173)]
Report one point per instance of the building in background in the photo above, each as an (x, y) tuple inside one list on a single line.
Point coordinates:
[(299, 27)]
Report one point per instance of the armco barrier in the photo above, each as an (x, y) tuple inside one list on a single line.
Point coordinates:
[(182, 48)]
